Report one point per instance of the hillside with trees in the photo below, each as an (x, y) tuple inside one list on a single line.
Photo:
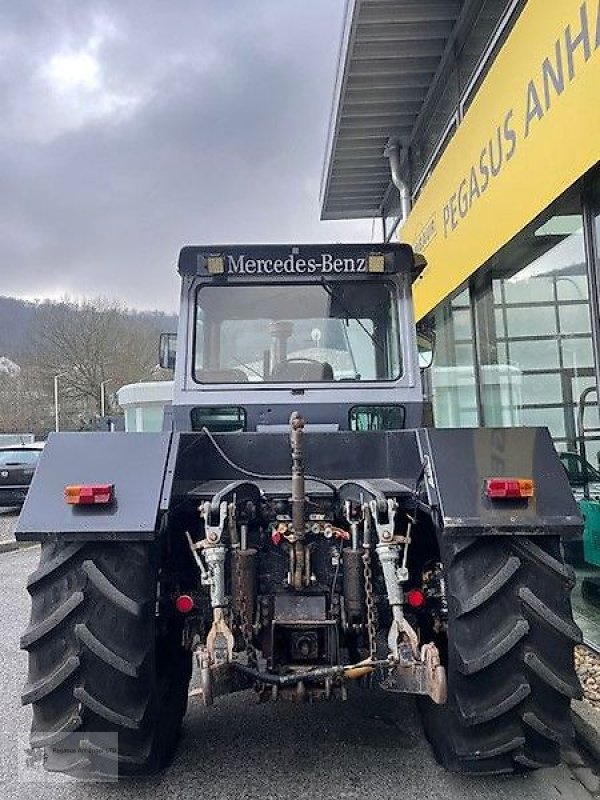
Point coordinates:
[(88, 344)]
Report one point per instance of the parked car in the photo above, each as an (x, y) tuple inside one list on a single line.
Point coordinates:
[(17, 465)]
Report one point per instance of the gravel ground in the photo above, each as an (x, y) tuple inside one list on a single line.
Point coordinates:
[(587, 665), (8, 523)]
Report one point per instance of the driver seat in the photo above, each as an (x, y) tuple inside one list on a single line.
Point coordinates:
[(302, 371)]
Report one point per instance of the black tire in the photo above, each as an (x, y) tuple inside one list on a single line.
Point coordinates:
[(98, 662), (509, 656)]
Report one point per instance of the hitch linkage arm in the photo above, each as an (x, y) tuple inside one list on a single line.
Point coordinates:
[(388, 552)]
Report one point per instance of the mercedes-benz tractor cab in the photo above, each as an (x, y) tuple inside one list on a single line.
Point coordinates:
[(327, 330)]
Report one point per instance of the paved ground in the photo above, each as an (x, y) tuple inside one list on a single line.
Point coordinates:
[(8, 523), (370, 747)]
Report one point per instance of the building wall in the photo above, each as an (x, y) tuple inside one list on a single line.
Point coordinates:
[(532, 130), (509, 222), (515, 346)]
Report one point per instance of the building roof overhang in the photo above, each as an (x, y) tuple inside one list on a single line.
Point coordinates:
[(392, 54)]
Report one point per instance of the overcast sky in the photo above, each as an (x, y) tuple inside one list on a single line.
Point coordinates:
[(130, 127)]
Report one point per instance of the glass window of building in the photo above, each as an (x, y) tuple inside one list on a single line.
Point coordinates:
[(536, 359), (534, 329), (453, 375), (516, 348), (582, 467)]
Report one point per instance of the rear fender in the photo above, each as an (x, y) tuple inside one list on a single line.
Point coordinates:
[(135, 463), (460, 460)]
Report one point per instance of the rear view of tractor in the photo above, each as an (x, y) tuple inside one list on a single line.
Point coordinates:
[(295, 529)]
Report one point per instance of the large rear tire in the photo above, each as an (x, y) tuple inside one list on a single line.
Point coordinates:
[(100, 664), (510, 656)]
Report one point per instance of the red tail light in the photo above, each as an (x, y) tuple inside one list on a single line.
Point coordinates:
[(509, 488), (90, 494), (415, 598)]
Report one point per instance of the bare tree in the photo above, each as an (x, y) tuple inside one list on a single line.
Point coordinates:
[(88, 344), (25, 403)]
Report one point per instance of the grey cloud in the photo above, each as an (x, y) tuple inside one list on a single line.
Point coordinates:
[(223, 140)]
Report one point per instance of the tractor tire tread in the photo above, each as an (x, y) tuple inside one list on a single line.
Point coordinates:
[(132, 720), (565, 684), (53, 563), (550, 731), (47, 625), (61, 730), (475, 715), (106, 654), (565, 627), (510, 656), (497, 647), (528, 549), (33, 692), (97, 662), (491, 751), (491, 586), (110, 591)]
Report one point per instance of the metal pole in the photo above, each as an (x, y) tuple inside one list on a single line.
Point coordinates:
[(298, 497), (56, 408), (103, 395), (592, 260)]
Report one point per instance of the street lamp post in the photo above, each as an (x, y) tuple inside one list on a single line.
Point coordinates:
[(103, 396), (56, 406)]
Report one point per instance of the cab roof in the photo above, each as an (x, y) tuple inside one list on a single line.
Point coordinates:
[(299, 260)]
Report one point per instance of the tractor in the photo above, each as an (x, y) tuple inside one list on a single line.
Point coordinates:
[(296, 529)]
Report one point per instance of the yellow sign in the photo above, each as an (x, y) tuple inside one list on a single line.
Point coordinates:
[(531, 131)]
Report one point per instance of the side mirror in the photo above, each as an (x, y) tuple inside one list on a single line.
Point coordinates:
[(425, 346), (167, 350)]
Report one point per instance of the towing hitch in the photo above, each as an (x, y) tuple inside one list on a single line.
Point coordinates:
[(426, 677)]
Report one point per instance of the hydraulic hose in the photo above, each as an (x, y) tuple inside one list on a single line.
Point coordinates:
[(318, 674)]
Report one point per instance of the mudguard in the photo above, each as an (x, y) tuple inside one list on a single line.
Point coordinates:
[(134, 463), (459, 461)]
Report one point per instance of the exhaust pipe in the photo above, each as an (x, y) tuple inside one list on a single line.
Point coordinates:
[(392, 153)]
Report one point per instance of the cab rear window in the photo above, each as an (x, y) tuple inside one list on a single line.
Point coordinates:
[(298, 333)]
